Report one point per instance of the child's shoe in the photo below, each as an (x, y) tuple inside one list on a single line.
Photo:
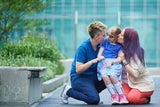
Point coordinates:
[(123, 99), (115, 99)]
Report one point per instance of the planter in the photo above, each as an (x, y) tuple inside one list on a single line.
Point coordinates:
[(54, 83), (20, 85)]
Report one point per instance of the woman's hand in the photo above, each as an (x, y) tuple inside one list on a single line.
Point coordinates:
[(121, 55)]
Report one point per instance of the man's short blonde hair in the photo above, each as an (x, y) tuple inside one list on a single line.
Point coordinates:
[(96, 27)]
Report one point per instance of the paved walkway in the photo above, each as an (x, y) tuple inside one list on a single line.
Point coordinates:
[(53, 99)]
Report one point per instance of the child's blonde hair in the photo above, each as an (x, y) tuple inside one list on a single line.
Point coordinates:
[(114, 30)]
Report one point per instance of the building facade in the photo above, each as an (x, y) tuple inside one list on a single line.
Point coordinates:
[(69, 20)]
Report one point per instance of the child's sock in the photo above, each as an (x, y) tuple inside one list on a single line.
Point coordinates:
[(119, 88), (111, 89)]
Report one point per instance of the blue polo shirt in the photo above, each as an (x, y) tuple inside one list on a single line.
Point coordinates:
[(85, 53)]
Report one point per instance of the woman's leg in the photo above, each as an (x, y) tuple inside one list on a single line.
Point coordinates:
[(126, 88), (83, 89), (137, 97)]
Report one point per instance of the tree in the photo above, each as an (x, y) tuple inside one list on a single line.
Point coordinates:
[(13, 13)]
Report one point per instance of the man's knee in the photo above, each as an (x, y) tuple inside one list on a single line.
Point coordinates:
[(93, 101)]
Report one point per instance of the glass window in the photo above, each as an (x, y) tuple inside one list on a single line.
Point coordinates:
[(67, 7), (125, 7), (78, 4), (112, 7), (151, 7), (140, 14), (147, 35), (101, 7), (138, 6), (124, 23), (57, 7), (57, 30), (150, 42), (111, 21), (67, 36), (89, 7)]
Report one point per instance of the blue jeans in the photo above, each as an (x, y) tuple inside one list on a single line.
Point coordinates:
[(86, 88)]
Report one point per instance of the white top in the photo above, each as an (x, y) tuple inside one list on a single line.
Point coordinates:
[(143, 80)]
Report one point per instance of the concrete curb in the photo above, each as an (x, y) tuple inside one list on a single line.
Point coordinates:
[(154, 71), (54, 83)]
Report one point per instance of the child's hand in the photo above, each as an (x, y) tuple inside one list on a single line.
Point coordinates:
[(100, 58), (109, 63), (95, 60)]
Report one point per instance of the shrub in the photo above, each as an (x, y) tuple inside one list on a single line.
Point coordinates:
[(33, 50)]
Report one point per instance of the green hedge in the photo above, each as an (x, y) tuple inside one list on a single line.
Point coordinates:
[(33, 50)]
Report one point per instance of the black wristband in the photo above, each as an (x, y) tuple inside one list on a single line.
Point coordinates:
[(125, 63)]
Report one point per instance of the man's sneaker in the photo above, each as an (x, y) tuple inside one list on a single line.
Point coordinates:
[(115, 99), (123, 99), (64, 100), (64, 97), (101, 102)]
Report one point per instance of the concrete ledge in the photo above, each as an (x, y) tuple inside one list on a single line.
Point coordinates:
[(67, 64), (154, 71), (20, 85), (54, 83)]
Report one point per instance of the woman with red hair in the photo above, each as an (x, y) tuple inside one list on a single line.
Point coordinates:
[(136, 80)]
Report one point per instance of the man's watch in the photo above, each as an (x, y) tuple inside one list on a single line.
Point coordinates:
[(125, 63)]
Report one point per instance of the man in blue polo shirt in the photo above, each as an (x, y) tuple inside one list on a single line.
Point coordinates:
[(84, 83)]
